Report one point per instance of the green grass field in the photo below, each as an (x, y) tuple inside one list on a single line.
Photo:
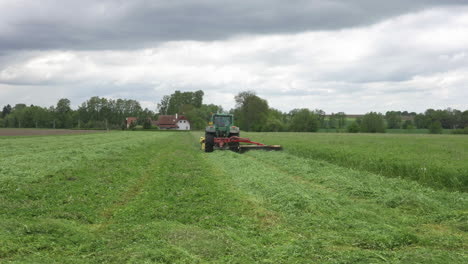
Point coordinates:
[(153, 197), (388, 131), (439, 161)]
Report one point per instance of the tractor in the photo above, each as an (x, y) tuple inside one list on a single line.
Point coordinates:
[(221, 133)]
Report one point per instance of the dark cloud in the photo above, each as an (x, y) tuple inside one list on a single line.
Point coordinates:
[(86, 24), (335, 55)]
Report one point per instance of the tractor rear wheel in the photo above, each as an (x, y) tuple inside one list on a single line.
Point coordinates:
[(209, 142)]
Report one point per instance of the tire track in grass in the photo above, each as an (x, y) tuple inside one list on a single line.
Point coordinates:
[(37, 164), (134, 190), (54, 217), (192, 212), (20, 143)]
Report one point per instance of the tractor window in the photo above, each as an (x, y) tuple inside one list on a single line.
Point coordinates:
[(222, 121)]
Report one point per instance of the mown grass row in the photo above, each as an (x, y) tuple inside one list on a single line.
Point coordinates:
[(140, 197), (54, 199), (438, 161)]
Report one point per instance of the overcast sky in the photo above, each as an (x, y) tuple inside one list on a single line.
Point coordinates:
[(354, 56)]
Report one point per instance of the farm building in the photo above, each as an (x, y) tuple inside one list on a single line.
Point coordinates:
[(130, 120), (175, 122)]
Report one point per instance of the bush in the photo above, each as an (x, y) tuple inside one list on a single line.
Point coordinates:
[(373, 123), (273, 125), (353, 128), (408, 124), (132, 126), (460, 131), (435, 128), (303, 120), (147, 124)]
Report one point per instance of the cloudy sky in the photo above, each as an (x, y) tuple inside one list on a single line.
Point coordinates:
[(339, 55)]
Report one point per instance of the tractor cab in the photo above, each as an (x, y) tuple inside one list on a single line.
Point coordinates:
[(222, 125), (223, 120)]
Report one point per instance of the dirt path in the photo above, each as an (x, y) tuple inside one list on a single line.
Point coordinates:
[(42, 132)]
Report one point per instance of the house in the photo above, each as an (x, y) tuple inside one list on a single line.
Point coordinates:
[(175, 122), (130, 120)]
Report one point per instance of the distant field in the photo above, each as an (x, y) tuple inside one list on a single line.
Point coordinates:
[(440, 161), (155, 197), (388, 131), (415, 131), (41, 132)]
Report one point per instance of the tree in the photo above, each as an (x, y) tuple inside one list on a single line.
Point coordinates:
[(174, 103), (191, 105), (63, 113), (464, 119), (147, 124), (341, 118), (207, 110), (321, 117), (435, 127), (332, 121), (408, 124), (373, 123), (393, 119), (353, 128), (99, 112), (6, 110), (163, 106), (421, 121), (303, 120), (273, 125), (251, 111), (448, 118), (196, 118), (275, 121)]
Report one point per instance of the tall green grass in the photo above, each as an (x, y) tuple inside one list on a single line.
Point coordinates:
[(439, 161)]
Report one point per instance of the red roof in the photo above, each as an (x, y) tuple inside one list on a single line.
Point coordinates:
[(130, 120), (169, 121)]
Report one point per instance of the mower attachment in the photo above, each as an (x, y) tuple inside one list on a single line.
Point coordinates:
[(227, 143)]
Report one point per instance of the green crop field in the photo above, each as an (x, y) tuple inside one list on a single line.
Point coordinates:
[(154, 197), (440, 161)]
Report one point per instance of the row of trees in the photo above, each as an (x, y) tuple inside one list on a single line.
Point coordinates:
[(448, 119), (100, 113), (251, 113)]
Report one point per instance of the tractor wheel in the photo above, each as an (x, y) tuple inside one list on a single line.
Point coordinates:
[(209, 142), (234, 146)]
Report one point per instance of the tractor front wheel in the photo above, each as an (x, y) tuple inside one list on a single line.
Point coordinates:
[(209, 142), (234, 146)]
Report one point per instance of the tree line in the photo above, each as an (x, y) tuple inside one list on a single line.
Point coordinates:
[(251, 113), (95, 113)]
